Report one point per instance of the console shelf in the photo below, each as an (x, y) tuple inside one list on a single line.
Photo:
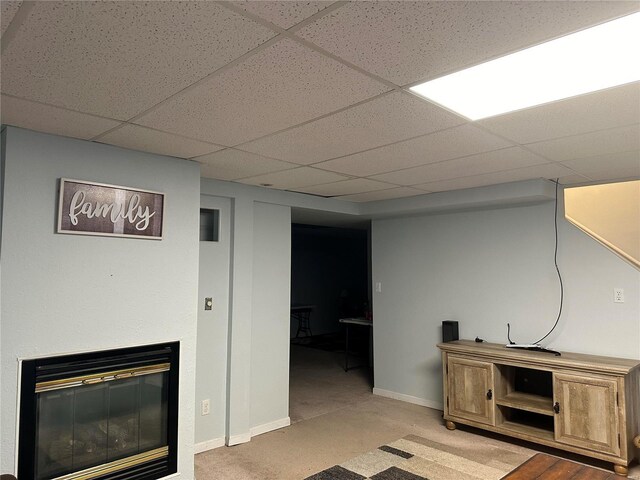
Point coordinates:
[(528, 430), (527, 401), (579, 403)]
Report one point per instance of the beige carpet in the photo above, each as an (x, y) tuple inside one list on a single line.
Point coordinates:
[(318, 384)]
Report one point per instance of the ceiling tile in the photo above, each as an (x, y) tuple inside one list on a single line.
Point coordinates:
[(233, 164), (399, 192), (549, 171), (147, 140), (614, 107), (345, 187), (614, 140), (445, 145), (117, 59), (386, 119), (488, 162), (283, 14), (295, 178), (573, 179), (8, 9), (48, 119), (405, 41), (608, 167), (280, 86)]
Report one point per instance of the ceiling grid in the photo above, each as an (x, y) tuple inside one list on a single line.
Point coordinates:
[(311, 96)]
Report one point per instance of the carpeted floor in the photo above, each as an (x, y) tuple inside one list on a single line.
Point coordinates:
[(318, 384)]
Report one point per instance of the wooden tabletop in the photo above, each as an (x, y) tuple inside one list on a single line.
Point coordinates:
[(595, 363), (298, 306), (546, 467), (357, 321)]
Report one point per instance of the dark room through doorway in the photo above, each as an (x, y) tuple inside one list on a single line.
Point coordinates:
[(330, 281)]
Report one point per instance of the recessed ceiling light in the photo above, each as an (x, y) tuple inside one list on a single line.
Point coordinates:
[(593, 59)]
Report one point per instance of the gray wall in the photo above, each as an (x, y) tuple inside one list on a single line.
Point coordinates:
[(486, 268), (74, 293)]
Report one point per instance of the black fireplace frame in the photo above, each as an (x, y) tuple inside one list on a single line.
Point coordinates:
[(54, 368)]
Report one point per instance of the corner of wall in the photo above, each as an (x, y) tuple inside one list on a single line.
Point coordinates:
[(423, 402), (3, 143)]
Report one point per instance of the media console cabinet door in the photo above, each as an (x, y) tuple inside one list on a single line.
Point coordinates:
[(470, 390), (586, 412)]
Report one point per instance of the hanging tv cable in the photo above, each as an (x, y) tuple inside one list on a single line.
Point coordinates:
[(536, 345)]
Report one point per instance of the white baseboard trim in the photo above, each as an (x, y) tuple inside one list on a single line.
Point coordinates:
[(209, 445), (238, 439), (408, 398), (269, 427), (257, 430)]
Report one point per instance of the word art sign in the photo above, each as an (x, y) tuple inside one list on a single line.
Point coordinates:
[(97, 209)]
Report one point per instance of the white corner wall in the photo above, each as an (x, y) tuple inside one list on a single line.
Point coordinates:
[(256, 334), (486, 268), (243, 343), (75, 293), (271, 311)]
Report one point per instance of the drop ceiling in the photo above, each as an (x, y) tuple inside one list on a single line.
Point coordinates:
[(311, 97)]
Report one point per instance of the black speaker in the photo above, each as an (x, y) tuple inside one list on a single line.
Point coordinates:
[(450, 331)]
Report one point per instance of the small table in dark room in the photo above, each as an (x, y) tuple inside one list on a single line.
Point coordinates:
[(354, 321)]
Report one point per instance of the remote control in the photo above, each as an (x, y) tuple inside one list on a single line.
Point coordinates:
[(533, 347)]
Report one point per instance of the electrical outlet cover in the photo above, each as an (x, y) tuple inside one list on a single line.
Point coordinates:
[(618, 295)]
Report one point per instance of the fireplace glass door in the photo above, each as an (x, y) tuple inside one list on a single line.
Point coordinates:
[(97, 424), (108, 415)]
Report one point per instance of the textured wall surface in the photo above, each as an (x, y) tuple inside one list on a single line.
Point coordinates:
[(76, 293), (484, 269)]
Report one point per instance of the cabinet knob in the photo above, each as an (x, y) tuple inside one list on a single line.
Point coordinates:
[(556, 407), (489, 395)]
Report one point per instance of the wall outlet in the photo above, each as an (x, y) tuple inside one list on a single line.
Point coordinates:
[(618, 295), (205, 407), (379, 287)]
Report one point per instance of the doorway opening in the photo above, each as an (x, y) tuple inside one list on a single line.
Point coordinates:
[(330, 311)]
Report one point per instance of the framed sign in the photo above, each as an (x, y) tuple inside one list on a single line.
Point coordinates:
[(87, 208)]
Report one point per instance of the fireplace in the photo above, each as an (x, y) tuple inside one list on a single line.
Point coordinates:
[(109, 415)]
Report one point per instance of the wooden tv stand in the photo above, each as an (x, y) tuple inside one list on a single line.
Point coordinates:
[(584, 404)]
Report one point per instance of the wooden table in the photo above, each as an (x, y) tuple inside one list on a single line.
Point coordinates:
[(546, 467)]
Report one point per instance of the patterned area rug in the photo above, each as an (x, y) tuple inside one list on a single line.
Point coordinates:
[(417, 458)]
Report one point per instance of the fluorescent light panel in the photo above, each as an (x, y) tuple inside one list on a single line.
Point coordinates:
[(593, 59)]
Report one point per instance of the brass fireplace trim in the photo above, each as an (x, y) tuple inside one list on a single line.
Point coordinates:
[(117, 465), (101, 377)]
